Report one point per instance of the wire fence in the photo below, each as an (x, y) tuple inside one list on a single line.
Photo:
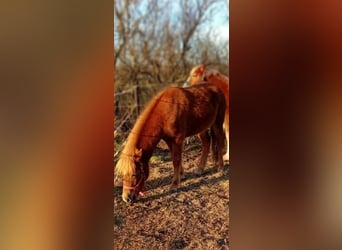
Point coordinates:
[(128, 104)]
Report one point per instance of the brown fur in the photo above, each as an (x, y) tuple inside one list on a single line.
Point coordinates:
[(197, 75), (172, 115)]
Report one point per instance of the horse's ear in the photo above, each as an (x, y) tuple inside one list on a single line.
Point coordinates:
[(137, 154)]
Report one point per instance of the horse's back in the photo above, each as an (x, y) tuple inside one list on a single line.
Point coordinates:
[(207, 88), (195, 108), (197, 91)]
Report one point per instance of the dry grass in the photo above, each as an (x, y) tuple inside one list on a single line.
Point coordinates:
[(196, 216)]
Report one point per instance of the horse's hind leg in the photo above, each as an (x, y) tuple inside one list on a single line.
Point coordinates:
[(218, 139), (226, 155), (205, 144), (226, 131), (214, 152)]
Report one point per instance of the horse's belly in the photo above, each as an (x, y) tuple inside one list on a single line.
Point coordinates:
[(197, 124)]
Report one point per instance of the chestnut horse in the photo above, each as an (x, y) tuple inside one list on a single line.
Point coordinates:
[(172, 115), (199, 74)]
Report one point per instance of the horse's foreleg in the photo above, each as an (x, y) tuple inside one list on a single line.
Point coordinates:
[(205, 144), (176, 151), (170, 145)]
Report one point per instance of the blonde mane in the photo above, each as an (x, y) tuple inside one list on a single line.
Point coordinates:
[(215, 73), (126, 165)]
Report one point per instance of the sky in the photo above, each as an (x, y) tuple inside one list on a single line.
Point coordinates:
[(221, 23), (221, 29), (218, 25)]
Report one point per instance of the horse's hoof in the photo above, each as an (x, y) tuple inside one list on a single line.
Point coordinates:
[(226, 158), (223, 170), (220, 169), (199, 172), (174, 187)]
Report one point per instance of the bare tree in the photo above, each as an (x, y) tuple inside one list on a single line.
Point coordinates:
[(156, 43)]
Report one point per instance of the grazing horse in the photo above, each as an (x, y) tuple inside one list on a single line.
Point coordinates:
[(199, 74), (172, 115)]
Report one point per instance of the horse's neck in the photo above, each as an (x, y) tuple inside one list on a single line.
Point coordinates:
[(220, 79), (149, 138)]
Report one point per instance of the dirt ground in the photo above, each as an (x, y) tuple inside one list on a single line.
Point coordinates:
[(196, 216)]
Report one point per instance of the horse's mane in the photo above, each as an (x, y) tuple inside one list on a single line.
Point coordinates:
[(126, 163), (216, 73)]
